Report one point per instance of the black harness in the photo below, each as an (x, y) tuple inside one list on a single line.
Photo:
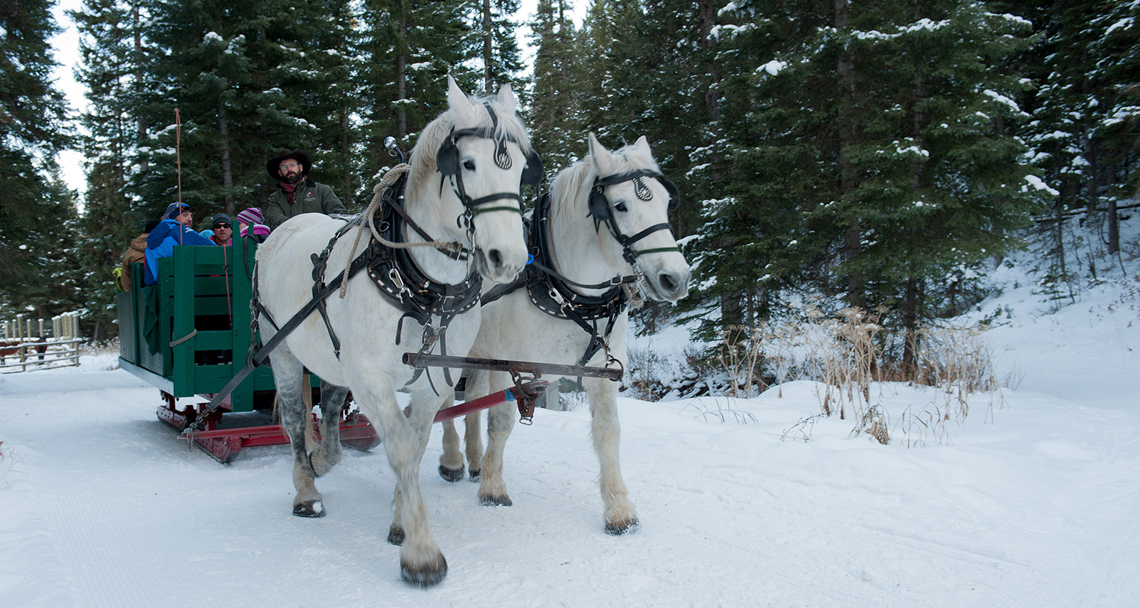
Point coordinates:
[(400, 279), (554, 295)]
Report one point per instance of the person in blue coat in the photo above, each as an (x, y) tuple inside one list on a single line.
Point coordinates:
[(174, 229)]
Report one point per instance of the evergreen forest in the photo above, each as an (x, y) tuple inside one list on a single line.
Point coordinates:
[(884, 154)]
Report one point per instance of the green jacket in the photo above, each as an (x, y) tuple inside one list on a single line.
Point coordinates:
[(311, 198)]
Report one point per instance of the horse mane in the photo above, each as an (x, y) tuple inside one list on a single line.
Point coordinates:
[(570, 191), (423, 154)]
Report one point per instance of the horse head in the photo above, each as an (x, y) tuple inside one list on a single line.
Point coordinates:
[(632, 199), (476, 157)]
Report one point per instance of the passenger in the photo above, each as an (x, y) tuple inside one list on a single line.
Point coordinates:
[(223, 233), (297, 193), (174, 229), (252, 217), (135, 253)]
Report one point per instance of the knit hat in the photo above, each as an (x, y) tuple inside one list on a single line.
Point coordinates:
[(174, 210), (222, 218), (207, 233), (150, 225), (250, 216)]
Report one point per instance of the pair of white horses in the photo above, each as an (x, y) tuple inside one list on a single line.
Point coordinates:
[(510, 328)]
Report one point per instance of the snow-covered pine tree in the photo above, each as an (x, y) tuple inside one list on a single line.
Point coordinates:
[(554, 118), (111, 68), (493, 41), (322, 78), (38, 260), (875, 152), (408, 49), (224, 67)]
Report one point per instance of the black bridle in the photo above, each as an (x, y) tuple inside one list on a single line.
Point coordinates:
[(447, 161), (600, 209)]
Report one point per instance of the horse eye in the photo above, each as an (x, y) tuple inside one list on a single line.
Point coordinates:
[(469, 165), (621, 207)]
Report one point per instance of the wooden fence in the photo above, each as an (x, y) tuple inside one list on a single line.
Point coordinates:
[(27, 345)]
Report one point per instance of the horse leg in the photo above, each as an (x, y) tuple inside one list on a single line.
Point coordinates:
[(451, 460), (287, 372), (473, 424), (620, 514), (421, 562), (473, 441), (500, 423), (332, 402)]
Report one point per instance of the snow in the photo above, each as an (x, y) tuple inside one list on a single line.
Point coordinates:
[(773, 67), (1030, 501)]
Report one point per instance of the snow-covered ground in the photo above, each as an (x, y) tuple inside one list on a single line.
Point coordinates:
[(101, 505)]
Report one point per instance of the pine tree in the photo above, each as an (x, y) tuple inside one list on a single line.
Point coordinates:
[(875, 154), (408, 51), (554, 118), (36, 212), (110, 69)]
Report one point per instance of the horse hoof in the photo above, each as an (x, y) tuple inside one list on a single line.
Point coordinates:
[(495, 501), (474, 474), (309, 508), (395, 536), (622, 527), (425, 575), (450, 475)]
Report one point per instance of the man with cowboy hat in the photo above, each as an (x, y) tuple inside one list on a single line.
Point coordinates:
[(298, 193)]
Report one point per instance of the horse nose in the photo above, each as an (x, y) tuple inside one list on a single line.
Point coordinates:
[(674, 284), (495, 258)]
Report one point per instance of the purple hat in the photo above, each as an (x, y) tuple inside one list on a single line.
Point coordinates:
[(250, 216)]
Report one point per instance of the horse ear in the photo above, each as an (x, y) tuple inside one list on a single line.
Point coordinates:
[(603, 160), (643, 144), (507, 98), (462, 110)]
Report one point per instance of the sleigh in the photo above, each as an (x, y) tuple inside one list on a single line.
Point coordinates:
[(189, 333)]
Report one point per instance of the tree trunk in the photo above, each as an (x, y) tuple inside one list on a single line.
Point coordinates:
[(856, 290), (224, 144), (144, 162), (488, 56), (911, 299), (402, 80)]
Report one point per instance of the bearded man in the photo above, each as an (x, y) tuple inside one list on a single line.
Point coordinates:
[(297, 193)]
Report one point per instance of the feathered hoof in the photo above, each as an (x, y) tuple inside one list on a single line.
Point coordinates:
[(424, 575), (451, 475), (474, 474), (495, 501), (395, 535), (309, 508), (618, 528)]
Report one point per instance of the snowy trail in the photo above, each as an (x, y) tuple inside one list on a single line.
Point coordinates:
[(106, 508)]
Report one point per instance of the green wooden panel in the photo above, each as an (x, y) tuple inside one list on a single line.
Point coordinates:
[(128, 340), (165, 315), (213, 286), (241, 257), (212, 340), (205, 270), (183, 325), (211, 305)]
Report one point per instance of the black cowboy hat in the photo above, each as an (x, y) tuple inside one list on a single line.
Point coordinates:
[(273, 164)]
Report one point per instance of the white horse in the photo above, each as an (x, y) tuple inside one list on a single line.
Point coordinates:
[(607, 218), (484, 146)]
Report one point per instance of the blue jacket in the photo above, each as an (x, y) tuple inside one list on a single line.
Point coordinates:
[(160, 244)]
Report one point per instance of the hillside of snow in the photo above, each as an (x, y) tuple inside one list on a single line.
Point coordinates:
[(1031, 501)]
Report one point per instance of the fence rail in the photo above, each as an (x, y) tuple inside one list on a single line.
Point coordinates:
[(28, 346)]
